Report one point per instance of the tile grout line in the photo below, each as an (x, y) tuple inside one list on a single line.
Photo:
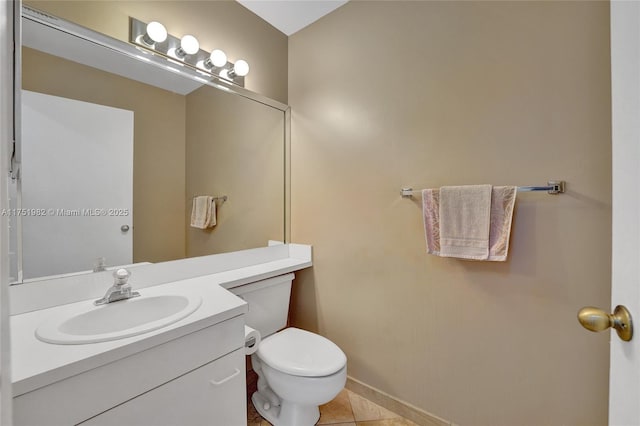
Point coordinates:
[(353, 414)]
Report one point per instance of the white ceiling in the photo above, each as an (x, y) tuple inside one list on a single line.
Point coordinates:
[(290, 16)]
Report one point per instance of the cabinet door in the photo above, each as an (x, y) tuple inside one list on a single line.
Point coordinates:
[(212, 395)]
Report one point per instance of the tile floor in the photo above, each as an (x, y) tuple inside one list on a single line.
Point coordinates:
[(347, 409)]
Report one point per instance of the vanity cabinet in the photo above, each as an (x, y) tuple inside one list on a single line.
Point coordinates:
[(192, 380), (207, 396)]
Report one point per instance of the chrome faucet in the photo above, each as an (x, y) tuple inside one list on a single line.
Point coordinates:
[(120, 289)]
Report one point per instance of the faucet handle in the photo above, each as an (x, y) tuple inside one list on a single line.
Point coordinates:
[(121, 276)]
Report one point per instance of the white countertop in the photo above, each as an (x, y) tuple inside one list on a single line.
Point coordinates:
[(36, 364), (238, 267)]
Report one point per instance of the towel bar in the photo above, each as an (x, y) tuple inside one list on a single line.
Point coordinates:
[(553, 187), (222, 198)]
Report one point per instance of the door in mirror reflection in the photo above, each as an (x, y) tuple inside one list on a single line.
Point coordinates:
[(77, 185)]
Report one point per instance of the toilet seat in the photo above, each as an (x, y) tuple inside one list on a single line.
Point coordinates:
[(301, 353)]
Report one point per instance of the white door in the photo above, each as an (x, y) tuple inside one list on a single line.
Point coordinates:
[(624, 387), (77, 185)]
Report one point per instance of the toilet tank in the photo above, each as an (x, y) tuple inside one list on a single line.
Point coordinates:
[(268, 303)]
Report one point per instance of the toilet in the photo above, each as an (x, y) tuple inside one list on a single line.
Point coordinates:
[(297, 370)]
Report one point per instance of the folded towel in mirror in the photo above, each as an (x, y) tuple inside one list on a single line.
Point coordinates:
[(203, 212)]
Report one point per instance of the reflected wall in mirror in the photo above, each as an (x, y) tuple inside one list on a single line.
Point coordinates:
[(203, 141)]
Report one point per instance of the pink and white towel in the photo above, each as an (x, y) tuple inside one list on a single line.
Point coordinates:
[(474, 227)]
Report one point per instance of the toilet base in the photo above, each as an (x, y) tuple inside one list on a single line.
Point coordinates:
[(287, 413)]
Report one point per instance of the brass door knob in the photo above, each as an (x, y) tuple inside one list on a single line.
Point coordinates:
[(595, 319)]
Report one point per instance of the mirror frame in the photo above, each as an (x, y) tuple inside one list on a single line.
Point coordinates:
[(133, 52)]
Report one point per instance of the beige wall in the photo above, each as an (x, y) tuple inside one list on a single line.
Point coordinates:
[(235, 147), (158, 151), (222, 25), (391, 94)]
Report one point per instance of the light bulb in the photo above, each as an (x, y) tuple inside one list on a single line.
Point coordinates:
[(241, 68), (156, 33), (188, 46), (218, 58)]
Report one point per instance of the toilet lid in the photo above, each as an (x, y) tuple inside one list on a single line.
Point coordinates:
[(301, 353)]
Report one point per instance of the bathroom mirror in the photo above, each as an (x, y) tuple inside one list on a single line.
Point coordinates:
[(114, 145)]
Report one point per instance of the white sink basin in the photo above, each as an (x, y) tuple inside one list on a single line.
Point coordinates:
[(117, 320)]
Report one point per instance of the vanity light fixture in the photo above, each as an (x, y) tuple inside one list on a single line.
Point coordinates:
[(155, 32), (153, 37)]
